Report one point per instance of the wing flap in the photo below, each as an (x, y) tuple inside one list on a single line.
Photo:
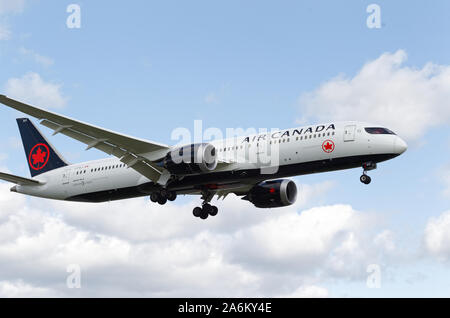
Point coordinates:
[(135, 144), (18, 180), (121, 146)]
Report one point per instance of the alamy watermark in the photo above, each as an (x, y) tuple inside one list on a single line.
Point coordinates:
[(374, 19), (74, 278), (74, 19), (252, 146), (374, 277)]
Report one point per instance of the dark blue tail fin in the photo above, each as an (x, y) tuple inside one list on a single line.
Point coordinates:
[(41, 155)]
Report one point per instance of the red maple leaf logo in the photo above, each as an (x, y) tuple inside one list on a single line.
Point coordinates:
[(39, 156), (328, 146)]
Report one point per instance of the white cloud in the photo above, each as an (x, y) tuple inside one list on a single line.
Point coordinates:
[(19, 289), (385, 240), (310, 291), (437, 236), (328, 238), (135, 248), (40, 59), (33, 89), (11, 6), (385, 91)]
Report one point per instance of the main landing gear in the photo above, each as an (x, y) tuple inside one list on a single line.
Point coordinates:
[(367, 167), (206, 209), (163, 196)]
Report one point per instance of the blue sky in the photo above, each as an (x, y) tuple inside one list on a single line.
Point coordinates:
[(147, 67)]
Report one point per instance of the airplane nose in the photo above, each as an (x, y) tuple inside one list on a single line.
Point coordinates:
[(400, 146)]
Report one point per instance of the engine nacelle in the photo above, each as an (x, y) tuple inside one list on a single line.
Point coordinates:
[(273, 194), (191, 159)]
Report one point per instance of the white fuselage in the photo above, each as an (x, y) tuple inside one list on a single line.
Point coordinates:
[(299, 147)]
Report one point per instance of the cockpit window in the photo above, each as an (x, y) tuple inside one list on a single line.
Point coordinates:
[(379, 131)]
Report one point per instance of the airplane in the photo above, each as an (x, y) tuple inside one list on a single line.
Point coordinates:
[(139, 167)]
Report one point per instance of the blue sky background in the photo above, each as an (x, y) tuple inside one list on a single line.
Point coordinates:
[(147, 67)]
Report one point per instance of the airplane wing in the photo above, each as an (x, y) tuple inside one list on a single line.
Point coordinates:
[(18, 180), (138, 154)]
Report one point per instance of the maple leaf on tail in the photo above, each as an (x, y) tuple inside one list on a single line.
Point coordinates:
[(39, 156)]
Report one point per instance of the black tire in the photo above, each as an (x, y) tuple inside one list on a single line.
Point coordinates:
[(207, 208), (204, 215), (154, 197), (368, 180), (214, 210), (197, 211), (164, 193), (172, 196), (162, 200), (363, 178)]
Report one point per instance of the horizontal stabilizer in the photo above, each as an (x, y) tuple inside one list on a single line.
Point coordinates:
[(19, 180)]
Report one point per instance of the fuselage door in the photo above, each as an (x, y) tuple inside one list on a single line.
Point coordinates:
[(349, 133), (66, 177)]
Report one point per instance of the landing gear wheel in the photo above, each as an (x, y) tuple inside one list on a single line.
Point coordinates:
[(154, 197), (197, 211), (162, 200), (207, 208), (204, 214), (171, 196), (365, 179), (214, 210)]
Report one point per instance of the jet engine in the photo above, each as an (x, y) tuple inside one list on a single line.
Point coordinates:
[(273, 194), (191, 159)]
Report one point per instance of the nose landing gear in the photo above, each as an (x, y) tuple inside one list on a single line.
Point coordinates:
[(365, 179), (367, 167)]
